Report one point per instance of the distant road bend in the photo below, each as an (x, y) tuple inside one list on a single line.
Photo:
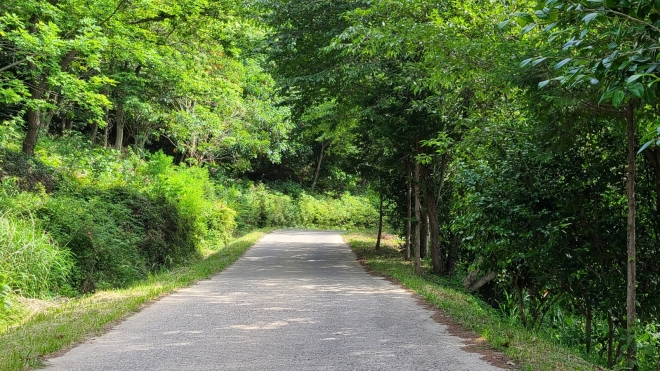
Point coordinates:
[(297, 300)]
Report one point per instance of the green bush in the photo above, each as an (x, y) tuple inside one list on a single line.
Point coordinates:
[(346, 212), (103, 238), (162, 241), (259, 207), (30, 263), (28, 173)]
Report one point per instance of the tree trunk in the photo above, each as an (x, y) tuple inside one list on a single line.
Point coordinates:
[(588, 327), (409, 210), (30, 140), (433, 224), (471, 285), (33, 121), (45, 120), (106, 133), (610, 340), (380, 218), (95, 130), (452, 258), (424, 230), (318, 165), (418, 260), (630, 188), (521, 302), (119, 119)]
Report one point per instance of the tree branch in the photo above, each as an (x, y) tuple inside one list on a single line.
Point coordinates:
[(121, 3), (13, 64), (608, 109), (158, 18), (633, 19)]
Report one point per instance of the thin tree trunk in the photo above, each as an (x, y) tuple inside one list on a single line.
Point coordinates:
[(521, 302), (631, 291), (380, 217), (418, 260), (610, 340), (95, 130), (452, 258), (318, 165), (106, 133), (432, 221), (37, 88), (588, 327), (409, 210), (424, 230), (434, 229), (119, 119), (33, 120)]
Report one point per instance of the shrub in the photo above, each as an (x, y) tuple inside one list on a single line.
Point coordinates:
[(30, 262), (28, 172), (346, 212), (102, 236)]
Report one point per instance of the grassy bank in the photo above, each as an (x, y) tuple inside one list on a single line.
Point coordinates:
[(60, 324), (530, 351)]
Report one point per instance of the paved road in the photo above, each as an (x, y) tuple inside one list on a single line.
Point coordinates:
[(297, 300)]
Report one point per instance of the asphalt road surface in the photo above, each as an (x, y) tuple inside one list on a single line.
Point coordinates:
[(297, 300)]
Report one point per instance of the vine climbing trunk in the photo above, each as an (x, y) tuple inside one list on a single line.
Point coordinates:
[(631, 312)]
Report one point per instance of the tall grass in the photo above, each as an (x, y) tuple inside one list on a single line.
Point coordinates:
[(30, 262)]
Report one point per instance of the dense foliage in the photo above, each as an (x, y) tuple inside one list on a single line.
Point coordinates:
[(514, 144), (504, 137)]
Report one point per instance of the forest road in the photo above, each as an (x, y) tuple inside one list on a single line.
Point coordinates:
[(297, 300)]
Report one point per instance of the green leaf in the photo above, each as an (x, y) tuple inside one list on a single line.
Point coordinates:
[(523, 18), (637, 90), (645, 146), (633, 78), (562, 63), (525, 62), (528, 28), (543, 83), (589, 17), (503, 23), (537, 61), (617, 98), (540, 14)]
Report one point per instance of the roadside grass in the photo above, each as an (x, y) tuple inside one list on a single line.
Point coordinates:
[(58, 326), (530, 351)]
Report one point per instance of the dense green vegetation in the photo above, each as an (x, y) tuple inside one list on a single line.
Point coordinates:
[(514, 145), (58, 324)]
